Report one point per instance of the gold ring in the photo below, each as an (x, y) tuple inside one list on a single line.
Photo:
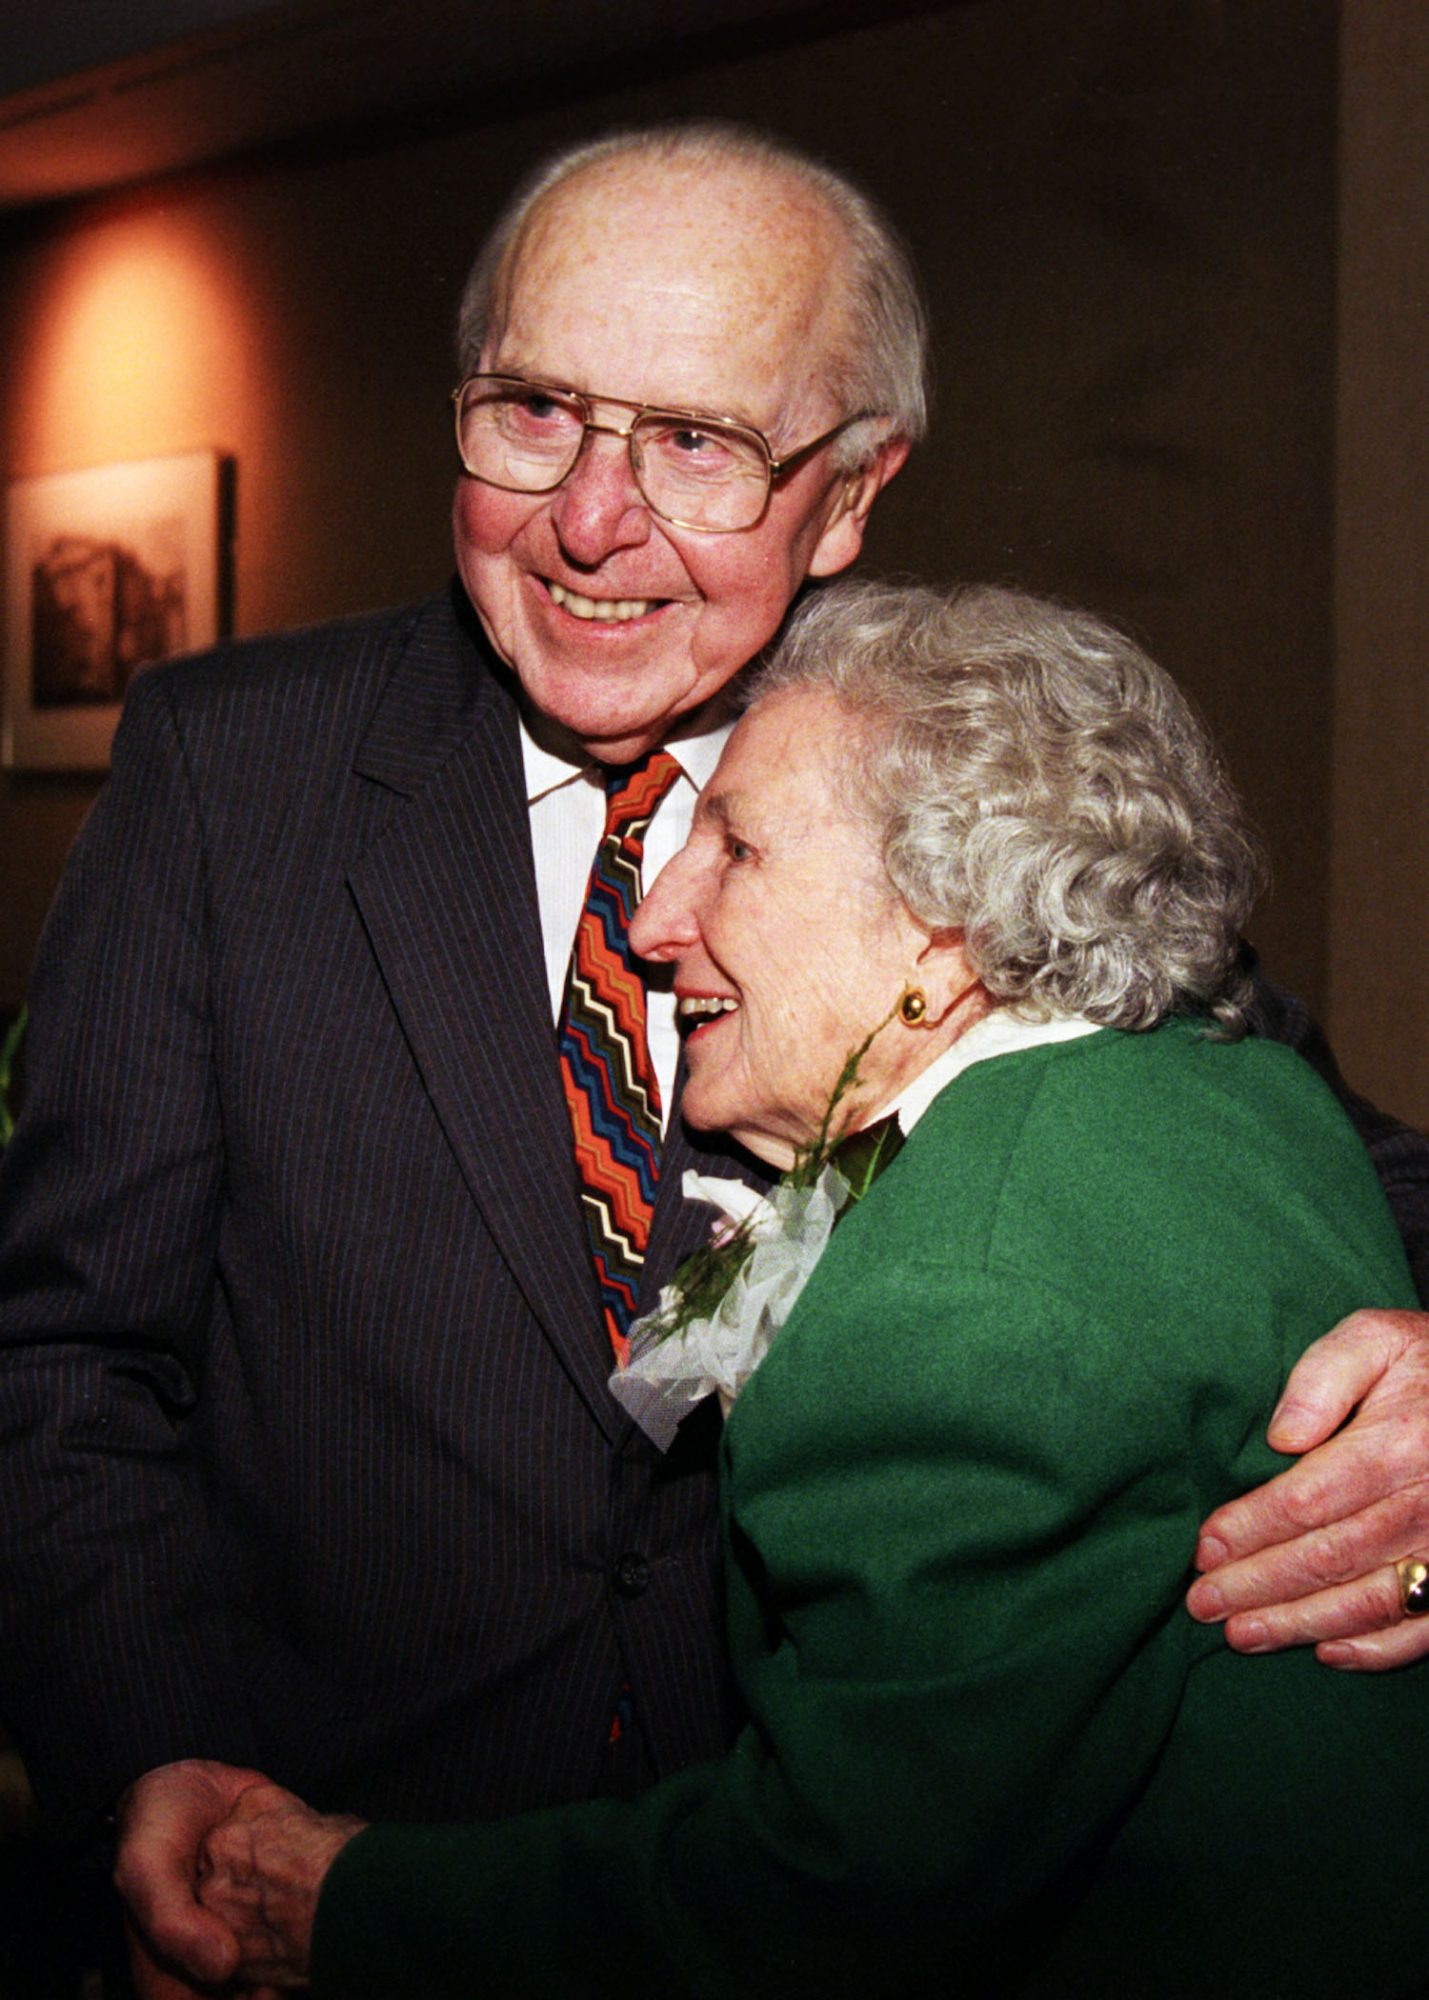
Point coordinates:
[(1413, 1574)]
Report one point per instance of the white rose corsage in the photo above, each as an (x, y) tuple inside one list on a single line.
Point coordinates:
[(678, 1357), (714, 1323)]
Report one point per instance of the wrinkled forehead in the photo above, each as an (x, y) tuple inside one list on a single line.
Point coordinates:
[(696, 273)]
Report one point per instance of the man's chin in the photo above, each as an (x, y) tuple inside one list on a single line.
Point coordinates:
[(624, 749), (587, 708)]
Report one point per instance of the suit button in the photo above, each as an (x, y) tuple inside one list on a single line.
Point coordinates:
[(632, 1576)]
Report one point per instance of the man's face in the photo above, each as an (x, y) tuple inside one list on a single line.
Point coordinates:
[(690, 291)]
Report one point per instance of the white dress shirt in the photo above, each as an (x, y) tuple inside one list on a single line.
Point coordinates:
[(566, 796)]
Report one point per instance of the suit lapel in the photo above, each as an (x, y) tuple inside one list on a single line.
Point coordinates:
[(447, 893)]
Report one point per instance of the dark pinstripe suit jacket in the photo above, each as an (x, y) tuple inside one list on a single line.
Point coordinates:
[(306, 1453)]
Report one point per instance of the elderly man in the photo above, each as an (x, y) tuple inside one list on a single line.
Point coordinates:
[(309, 1460)]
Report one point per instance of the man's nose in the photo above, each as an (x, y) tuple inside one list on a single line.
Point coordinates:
[(665, 923), (598, 508)]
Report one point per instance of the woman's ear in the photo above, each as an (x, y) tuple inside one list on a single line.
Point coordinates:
[(947, 976)]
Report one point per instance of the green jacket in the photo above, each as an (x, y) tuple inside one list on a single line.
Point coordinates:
[(988, 1751)]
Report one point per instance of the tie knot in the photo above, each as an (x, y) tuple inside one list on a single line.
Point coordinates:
[(632, 792)]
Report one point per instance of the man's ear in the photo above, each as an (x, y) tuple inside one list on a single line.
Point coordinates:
[(842, 537)]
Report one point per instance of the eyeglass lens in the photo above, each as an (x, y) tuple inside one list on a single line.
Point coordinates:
[(527, 439)]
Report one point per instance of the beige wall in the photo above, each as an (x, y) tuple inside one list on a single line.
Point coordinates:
[(1379, 910), (1125, 212)]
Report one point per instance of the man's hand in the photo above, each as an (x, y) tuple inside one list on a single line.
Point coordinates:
[(1310, 1556), (164, 1819), (153, 1981)]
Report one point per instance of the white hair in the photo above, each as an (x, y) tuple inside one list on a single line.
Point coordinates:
[(1035, 781), (880, 363)]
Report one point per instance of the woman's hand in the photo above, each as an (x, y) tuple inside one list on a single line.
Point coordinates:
[(1310, 1557), (260, 1872)]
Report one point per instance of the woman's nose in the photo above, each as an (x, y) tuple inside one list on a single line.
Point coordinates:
[(665, 924)]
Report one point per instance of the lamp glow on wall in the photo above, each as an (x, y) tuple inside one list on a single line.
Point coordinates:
[(129, 375), (133, 343)]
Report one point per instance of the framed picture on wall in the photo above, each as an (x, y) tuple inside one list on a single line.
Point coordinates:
[(106, 571)]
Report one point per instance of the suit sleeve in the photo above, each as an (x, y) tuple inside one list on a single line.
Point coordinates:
[(112, 1655), (1399, 1152), (957, 1631)]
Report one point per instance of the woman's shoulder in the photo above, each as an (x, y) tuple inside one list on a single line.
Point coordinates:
[(1162, 1163), (1118, 1236), (1172, 1091)]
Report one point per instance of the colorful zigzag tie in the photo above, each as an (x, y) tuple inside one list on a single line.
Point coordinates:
[(611, 1091)]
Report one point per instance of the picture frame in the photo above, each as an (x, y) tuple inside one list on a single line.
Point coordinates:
[(107, 570)]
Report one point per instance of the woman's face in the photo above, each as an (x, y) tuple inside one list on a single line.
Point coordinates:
[(788, 943)]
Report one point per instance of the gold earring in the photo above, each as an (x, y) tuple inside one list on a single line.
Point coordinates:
[(913, 1006)]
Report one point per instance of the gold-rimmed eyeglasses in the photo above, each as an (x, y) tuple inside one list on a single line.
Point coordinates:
[(711, 474)]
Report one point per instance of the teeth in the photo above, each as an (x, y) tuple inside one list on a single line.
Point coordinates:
[(617, 608), (694, 1004)]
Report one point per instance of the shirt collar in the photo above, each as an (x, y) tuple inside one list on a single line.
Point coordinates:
[(1002, 1032), (552, 759)]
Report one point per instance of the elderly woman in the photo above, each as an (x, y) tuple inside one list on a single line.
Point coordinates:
[(969, 861)]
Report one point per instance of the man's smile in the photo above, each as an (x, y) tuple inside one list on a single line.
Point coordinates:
[(620, 610)]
